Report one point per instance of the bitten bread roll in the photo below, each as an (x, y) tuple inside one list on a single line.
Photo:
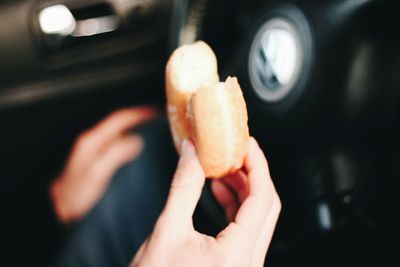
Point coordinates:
[(189, 68), (212, 114), (218, 120)]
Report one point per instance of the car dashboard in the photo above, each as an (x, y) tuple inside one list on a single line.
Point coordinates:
[(320, 78)]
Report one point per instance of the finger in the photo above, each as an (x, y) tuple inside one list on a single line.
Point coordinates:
[(226, 198), (230, 191), (237, 182), (117, 154), (116, 124), (252, 214), (267, 232), (185, 188)]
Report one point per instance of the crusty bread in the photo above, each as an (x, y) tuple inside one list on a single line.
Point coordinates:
[(189, 68), (211, 113), (218, 119)]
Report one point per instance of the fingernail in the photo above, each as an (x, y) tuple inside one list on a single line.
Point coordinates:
[(253, 142), (152, 110), (184, 145), (148, 111), (187, 149)]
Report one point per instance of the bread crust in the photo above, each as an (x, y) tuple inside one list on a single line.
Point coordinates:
[(177, 92), (218, 119), (212, 114)]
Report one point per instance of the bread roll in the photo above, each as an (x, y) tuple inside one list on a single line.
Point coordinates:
[(189, 68), (211, 113)]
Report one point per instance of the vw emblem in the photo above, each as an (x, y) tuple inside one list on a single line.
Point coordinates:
[(275, 60)]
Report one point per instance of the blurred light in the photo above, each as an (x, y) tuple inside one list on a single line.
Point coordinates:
[(188, 35), (191, 28), (57, 20), (324, 216), (95, 26)]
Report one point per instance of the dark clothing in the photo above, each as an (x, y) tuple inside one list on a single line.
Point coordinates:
[(114, 230)]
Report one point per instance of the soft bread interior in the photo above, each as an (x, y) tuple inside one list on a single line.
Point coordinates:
[(212, 114), (218, 118), (192, 66), (189, 68)]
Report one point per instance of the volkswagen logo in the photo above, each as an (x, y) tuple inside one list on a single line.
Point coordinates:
[(275, 60)]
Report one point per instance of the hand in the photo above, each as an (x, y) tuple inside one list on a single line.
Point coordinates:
[(95, 156), (244, 242)]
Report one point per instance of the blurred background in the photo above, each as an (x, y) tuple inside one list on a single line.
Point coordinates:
[(321, 80)]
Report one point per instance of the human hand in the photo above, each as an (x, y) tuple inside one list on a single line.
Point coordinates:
[(244, 242), (96, 155)]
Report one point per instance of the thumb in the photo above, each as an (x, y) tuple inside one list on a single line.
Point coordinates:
[(186, 187)]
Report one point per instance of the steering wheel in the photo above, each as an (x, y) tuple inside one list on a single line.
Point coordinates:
[(319, 81)]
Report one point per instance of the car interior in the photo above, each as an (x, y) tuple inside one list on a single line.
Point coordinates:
[(321, 80)]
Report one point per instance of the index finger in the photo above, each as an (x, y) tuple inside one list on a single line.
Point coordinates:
[(118, 123), (253, 213)]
